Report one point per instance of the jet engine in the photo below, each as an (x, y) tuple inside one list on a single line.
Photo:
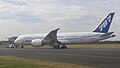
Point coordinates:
[(37, 43)]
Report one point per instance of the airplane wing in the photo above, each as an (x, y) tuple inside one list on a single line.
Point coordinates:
[(52, 35), (51, 38)]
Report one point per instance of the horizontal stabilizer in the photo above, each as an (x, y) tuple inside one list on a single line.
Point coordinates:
[(107, 34)]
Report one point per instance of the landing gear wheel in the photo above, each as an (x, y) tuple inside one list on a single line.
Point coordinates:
[(56, 47), (63, 47)]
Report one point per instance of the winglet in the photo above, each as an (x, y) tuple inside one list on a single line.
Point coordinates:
[(57, 29)]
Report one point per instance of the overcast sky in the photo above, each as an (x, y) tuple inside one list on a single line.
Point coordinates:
[(19, 17)]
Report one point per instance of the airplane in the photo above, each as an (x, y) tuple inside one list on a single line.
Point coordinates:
[(60, 40)]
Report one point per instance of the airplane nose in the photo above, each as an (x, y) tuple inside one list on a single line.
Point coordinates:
[(17, 41)]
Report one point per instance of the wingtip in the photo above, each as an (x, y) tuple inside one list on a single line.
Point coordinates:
[(57, 29)]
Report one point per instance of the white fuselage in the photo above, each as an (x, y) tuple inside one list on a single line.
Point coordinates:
[(100, 33), (65, 38)]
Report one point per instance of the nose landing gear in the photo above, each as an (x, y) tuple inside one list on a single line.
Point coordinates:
[(22, 46)]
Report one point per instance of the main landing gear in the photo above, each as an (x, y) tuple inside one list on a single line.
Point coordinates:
[(62, 47)]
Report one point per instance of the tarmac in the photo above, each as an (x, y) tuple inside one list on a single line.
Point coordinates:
[(102, 58)]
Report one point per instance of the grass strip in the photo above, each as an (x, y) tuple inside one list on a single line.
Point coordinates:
[(19, 62)]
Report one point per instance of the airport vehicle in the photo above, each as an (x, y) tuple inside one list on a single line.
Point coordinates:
[(11, 46), (59, 40)]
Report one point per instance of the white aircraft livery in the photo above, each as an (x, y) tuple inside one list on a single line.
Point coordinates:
[(59, 40)]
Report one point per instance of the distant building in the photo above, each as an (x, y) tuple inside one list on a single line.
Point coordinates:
[(12, 39)]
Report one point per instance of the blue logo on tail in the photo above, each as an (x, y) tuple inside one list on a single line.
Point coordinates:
[(104, 26)]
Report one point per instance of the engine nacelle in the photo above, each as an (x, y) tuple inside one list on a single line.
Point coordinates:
[(37, 43)]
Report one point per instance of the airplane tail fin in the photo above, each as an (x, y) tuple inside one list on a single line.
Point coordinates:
[(104, 26)]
